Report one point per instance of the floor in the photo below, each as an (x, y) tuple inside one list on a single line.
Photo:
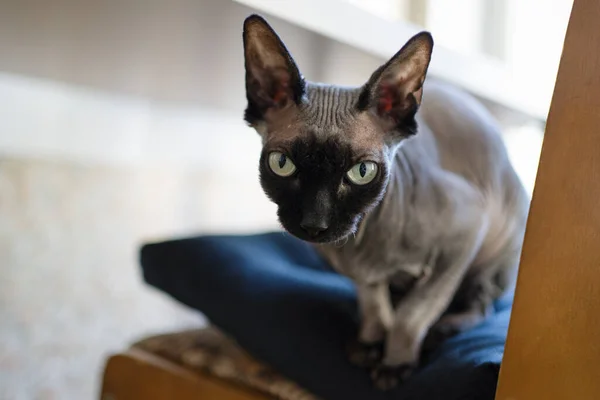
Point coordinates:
[(70, 287)]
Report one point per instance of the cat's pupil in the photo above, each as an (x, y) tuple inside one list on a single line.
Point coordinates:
[(282, 160), (362, 170)]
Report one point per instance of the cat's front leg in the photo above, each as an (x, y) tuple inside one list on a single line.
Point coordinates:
[(376, 316), (423, 306)]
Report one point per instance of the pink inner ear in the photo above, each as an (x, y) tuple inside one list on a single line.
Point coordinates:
[(282, 91), (386, 99), (280, 95)]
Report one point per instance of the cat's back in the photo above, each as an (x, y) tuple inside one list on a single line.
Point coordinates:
[(468, 142), (466, 136)]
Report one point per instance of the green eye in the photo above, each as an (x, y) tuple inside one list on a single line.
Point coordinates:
[(281, 165), (362, 173)]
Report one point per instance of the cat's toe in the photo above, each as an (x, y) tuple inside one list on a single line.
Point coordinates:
[(385, 377), (365, 354)]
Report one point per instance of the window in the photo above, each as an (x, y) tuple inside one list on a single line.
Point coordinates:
[(526, 36)]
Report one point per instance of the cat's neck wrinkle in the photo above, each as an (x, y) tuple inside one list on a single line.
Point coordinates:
[(330, 105)]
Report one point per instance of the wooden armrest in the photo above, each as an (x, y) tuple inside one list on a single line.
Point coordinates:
[(139, 375), (553, 346)]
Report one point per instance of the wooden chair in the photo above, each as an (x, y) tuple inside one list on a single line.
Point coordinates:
[(553, 346), (139, 375), (197, 364)]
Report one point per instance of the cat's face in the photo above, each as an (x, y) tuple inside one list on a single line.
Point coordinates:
[(324, 180), (328, 151)]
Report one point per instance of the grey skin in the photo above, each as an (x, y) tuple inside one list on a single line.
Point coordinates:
[(448, 225)]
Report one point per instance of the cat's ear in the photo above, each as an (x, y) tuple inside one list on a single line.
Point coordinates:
[(273, 81), (395, 90)]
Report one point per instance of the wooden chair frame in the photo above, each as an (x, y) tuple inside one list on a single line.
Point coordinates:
[(139, 375), (553, 346)]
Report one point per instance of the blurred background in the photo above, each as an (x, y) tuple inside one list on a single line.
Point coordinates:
[(121, 122)]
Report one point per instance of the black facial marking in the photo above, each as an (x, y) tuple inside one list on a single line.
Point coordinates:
[(313, 194)]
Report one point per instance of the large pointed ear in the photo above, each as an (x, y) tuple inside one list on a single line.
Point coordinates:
[(273, 80), (395, 90)]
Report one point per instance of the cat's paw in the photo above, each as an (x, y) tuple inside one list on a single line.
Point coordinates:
[(364, 354), (436, 336), (386, 377)]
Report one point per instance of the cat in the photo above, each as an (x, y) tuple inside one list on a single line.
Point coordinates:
[(404, 187)]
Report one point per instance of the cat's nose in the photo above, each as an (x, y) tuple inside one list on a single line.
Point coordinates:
[(314, 227)]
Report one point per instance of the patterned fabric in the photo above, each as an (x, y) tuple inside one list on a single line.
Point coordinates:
[(211, 352)]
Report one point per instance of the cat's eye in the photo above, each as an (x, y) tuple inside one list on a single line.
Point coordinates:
[(281, 164), (362, 173)]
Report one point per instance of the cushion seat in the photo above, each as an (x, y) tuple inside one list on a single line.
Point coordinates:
[(284, 305)]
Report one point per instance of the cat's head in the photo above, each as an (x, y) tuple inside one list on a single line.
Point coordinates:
[(327, 150)]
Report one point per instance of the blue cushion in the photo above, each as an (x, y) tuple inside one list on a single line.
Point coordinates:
[(281, 302)]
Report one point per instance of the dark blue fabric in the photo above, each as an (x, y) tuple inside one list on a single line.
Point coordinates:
[(281, 302)]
